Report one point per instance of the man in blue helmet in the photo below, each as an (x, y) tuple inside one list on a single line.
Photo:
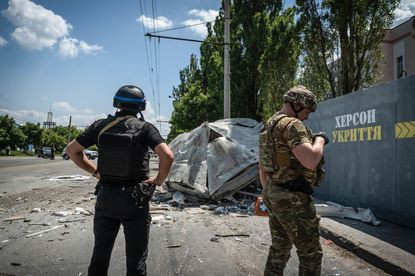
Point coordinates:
[(123, 177)]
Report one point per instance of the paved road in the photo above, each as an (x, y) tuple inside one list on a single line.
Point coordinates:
[(180, 239), (21, 174)]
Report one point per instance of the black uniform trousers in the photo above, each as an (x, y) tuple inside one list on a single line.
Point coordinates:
[(115, 206)]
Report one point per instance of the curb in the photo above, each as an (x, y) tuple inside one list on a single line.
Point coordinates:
[(363, 253)]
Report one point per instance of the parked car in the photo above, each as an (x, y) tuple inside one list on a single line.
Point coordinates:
[(91, 154), (46, 152)]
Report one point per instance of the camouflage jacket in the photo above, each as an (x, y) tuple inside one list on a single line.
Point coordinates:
[(278, 137)]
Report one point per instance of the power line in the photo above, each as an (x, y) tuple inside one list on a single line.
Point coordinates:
[(184, 39), (156, 58), (183, 27), (149, 61), (159, 71)]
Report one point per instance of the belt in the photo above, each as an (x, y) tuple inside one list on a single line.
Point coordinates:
[(298, 185), (287, 185), (128, 188)]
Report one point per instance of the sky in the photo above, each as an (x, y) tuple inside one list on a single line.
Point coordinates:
[(71, 56)]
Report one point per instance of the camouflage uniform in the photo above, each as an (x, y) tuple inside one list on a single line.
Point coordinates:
[(292, 215)]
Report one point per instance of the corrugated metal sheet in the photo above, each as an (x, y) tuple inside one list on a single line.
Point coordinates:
[(216, 159)]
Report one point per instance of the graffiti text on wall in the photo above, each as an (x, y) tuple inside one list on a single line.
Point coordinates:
[(357, 134)]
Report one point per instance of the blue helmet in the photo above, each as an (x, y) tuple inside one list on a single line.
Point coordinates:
[(131, 98)]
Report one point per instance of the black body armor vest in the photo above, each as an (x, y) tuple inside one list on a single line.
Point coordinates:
[(121, 156)]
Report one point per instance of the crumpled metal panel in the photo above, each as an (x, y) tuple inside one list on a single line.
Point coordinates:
[(225, 160), (217, 158), (188, 173)]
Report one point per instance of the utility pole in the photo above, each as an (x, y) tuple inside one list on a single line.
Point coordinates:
[(226, 66), (69, 129)]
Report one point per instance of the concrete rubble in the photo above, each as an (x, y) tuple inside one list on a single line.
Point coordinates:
[(332, 209)]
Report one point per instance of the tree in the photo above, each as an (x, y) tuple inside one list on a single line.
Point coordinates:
[(278, 64), (51, 139), (249, 41), (33, 134), (342, 41), (192, 103), (254, 26), (17, 136), (10, 134)]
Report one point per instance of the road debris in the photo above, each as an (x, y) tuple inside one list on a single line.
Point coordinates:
[(248, 193), (214, 239), (231, 235), (178, 197), (220, 210), (216, 159), (76, 177), (159, 208), (174, 246), (328, 242), (44, 231), (332, 209), (157, 212), (194, 211), (62, 213), (36, 210), (13, 218), (239, 215), (156, 219), (64, 220), (260, 208), (43, 224), (79, 210)]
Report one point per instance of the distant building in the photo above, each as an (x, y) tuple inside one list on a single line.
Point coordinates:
[(49, 123), (398, 49)]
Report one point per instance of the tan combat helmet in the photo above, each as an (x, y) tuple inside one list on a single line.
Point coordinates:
[(301, 96)]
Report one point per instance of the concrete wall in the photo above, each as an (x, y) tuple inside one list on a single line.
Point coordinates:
[(370, 161)]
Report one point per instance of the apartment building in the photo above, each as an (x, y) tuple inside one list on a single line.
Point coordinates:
[(398, 49)]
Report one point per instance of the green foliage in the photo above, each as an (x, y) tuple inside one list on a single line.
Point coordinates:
[(10, 134), (20, 137), (33, 134), (270, 52), (351, 30), (312, 78), (278, 65), (254, 35), (53, 139), (193, 104), (58, 137)]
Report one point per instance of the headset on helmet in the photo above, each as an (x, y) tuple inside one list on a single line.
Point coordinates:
[(301, 96), (131, 98)]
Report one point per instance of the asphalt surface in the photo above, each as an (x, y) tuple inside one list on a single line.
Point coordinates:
[(181, 241)]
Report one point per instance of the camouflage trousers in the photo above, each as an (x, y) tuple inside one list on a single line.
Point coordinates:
[(292, 220)]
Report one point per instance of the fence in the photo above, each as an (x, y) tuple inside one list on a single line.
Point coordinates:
[(370, 161)]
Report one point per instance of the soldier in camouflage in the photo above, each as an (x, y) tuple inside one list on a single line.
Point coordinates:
[(289, 155)]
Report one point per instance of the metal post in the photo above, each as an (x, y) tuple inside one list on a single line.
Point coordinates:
[(226, 67), (69, 129)]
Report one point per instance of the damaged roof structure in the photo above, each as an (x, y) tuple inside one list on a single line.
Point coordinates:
[(216, 159)]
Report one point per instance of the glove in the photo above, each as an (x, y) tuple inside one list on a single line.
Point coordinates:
[(324, 135)]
